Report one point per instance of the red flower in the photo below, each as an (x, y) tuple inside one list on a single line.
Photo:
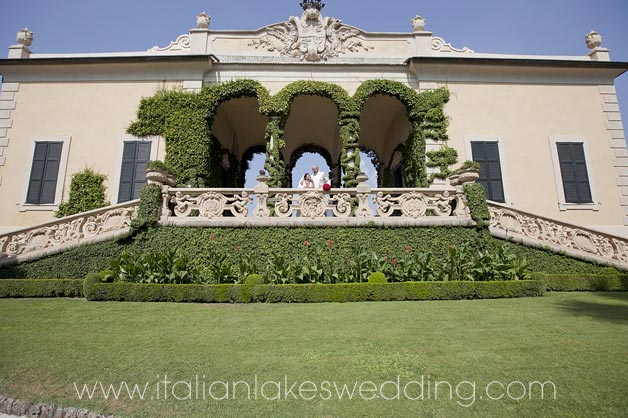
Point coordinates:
[(238, 248), (330, 244), (408, 249), (394, 261), (306, 243)]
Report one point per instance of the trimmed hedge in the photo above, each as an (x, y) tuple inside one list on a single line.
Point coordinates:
[(96, 290), (265, 242), (583, 282), (47, 288)]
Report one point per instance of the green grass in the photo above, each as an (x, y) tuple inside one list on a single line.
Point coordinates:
[(576, 340)]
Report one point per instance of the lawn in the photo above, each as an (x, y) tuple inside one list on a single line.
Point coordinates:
[(576, 341)]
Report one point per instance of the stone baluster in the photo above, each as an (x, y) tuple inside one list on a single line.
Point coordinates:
[(165, 205), (261, 192), (363, 192)]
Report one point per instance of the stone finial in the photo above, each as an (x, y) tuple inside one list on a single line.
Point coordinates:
[(25, 37), (593, 40), (203, 20), (418, 23)]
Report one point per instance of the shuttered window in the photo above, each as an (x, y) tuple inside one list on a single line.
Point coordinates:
[(42, 185), (487, 155), (135, 156), (573, 170)]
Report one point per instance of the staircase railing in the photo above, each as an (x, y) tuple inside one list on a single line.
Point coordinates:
[(58, 235), (541, 232)]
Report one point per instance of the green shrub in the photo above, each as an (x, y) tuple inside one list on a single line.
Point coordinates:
[(377, 277), (583, 282), (96, 290), (149, 209), (87, 192), (157, 165), (53, 288), (476, 199), (254, 280)]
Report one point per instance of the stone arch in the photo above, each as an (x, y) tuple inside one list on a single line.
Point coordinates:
[(401, 127), (315, 149)]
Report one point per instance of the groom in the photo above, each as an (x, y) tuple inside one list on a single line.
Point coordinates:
[(319, 177)]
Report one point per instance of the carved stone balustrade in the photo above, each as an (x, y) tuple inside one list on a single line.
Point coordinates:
[(538, 231), (61, 234), (295, 207)]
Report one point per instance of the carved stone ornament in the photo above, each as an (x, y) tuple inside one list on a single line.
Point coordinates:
[(203, 20), (25, 37), (439, 44), (418, 23), (181, 44), (593, 40), (311, 37)]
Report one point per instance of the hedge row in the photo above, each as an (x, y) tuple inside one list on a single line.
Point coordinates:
[(95, 290), (264, 243), (583, 282), (50, 288)]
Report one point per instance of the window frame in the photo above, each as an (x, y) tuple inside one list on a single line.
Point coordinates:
[(469, 139), (563, 205), (61, 175)]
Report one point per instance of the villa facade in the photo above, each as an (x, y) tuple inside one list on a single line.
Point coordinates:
[(546, 130)]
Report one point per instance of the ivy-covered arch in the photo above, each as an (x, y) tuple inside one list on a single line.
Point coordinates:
[(185, 120), (347, 113), (303, 149), (425, 112), (245, 162)]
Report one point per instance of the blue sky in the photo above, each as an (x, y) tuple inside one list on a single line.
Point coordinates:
[(553, 27)]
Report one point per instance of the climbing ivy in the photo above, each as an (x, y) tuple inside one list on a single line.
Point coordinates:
[(185, 120), (441, 158), (87, 192)]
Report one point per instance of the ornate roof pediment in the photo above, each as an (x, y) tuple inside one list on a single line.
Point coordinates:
[(311, 37)]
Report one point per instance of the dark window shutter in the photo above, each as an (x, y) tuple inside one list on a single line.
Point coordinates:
[(42, 184), (487, 155), (574, 173), (135, 156)]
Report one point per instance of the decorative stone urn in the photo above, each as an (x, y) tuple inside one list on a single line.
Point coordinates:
[(203, 20), (468, 176), (593, 40), (418, 23), (25, 37), (155, 176)]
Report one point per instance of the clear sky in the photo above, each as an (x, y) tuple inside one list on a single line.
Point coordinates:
[(551, 27)]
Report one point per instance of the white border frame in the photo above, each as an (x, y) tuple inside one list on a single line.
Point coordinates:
[(562, 204), (61, 176), (154, 150), (468, 139)]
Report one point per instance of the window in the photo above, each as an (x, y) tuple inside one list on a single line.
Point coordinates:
[(42, 184), (574, 174), (135, 156), (487, 155)]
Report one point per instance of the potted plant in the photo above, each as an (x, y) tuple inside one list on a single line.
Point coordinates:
[(469, 172), (157, 172)]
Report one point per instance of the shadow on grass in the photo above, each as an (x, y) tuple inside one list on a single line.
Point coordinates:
[(613, 309)]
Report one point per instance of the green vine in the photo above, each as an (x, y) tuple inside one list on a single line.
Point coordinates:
[(149, 208), (87, 192), (442, 158), (185, 121), (476, 199)]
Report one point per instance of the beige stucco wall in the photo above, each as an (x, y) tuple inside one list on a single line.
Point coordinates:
[(523, 117), (94, 114)]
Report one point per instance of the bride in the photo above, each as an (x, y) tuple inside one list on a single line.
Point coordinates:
[(306, 182)]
